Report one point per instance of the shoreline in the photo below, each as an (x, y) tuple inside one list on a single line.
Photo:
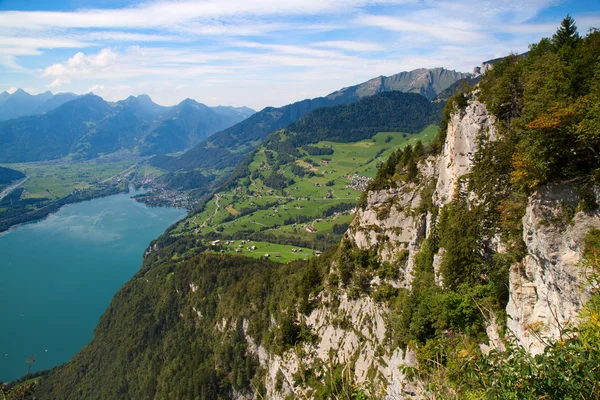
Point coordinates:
[(4, 230), (7, 226)]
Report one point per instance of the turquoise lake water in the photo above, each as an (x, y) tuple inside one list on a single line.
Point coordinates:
[(57, 276)]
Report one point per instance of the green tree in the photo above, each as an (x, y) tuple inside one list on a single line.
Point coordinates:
[(566, 33)]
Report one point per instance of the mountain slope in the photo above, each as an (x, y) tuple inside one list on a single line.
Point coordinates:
[(426, 82), (184, 126), (488, 229), (51, 135), (228, 147), (239, 113), (311, 174), (89, 126), (21, 103), (8, 175)]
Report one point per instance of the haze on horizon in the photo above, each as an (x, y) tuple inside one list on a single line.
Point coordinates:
[(259, 53)]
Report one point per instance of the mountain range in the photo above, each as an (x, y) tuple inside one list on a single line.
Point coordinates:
[(20, 103), (88, 126), (54, 126), (468, 269)]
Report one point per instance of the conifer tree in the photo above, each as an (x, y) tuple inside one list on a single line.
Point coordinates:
[(566, 33)]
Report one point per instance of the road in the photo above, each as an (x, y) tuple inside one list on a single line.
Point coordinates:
[(119, 173), (12, 187)]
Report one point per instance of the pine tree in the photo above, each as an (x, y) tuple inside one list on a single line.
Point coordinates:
[(566, 33)]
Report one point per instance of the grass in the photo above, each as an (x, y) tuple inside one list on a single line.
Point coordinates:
[(258, 208), (59, 180), (277, 252)]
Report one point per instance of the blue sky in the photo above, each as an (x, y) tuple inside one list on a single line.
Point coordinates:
[(258, 52)]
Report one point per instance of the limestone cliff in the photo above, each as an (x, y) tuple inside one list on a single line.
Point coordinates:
[(354, 332), (547, 288)]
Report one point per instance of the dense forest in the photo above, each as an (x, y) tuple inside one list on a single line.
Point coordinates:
[(383, 112), (8, 175)]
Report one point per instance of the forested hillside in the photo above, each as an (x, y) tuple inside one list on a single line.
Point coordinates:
[(8, 175)]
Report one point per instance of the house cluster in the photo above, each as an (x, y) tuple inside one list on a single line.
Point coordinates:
[(358, 182)]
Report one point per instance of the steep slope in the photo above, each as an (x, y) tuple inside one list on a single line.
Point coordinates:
[(51, 135), (340, 325), (21, 103), (8, 175), (485, 240)]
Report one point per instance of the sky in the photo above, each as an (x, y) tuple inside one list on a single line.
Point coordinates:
[(258, 53)]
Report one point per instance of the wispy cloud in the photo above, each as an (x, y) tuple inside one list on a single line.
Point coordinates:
[(261, 52)]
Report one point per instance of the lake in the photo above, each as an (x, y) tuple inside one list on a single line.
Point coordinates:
[(57, 276)]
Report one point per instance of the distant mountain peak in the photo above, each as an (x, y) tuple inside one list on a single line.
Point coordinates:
[(191, 103), (428, 82), (144, 97)]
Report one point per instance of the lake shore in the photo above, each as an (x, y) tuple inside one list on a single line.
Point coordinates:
[(41, 213)]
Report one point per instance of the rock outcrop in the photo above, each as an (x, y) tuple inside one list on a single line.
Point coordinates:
[(548, 288), (465, 128)]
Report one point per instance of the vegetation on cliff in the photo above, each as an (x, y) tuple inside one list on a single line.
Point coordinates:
[(547, 109)]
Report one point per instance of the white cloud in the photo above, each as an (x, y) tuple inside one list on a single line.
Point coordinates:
[(163, 14), (453, 33), (58, 82), (232, 50), (354, 46), (40, 42), (80, 65), (96, 88), (112, 36)]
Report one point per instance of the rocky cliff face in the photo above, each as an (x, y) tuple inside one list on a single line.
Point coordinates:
[(354, 331), (391, 222), (465, 129), (547, 289), (350, 332)]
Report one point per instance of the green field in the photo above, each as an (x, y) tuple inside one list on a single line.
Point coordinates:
[(59, 180), (276, 252), (253, 208)]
